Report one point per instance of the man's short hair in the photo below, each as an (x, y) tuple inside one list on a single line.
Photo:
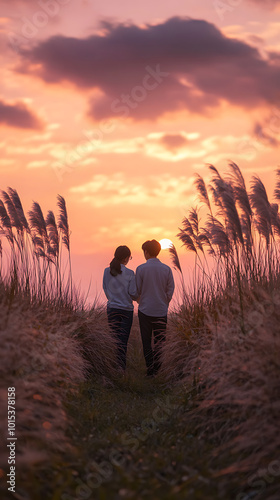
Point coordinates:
[(152, 247)]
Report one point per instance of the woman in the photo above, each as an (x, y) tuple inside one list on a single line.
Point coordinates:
[(120, 289)]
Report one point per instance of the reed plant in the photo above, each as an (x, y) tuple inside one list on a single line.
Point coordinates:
[(223, 340), (33, 260), (52, 342), (235, 241)]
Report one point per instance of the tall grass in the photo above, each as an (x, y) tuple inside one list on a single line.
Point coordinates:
[(33, 262), (224, 339), (51, 341), (235, 242)]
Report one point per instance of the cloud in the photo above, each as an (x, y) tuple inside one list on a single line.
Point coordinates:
[(37, 164), (4, 162), (173, 147), (23, 150), (152, 145), (145, 72), (163, 146), (19, 116), (173, 142), (104, 190)]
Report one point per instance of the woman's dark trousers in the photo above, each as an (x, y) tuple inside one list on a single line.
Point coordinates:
[(120, 322)]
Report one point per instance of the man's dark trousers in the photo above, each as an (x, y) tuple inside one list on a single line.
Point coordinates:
[(150, 325)]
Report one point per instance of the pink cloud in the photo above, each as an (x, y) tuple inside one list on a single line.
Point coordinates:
[(19, 116), (144, 72)]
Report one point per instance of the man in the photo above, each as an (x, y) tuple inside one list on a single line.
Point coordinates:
[(155, 285)]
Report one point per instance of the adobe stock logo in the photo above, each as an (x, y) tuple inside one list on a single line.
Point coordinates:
[(151, 81), (31, 26), (223, 8)]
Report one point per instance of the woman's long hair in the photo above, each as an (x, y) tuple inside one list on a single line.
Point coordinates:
[(120, 254)]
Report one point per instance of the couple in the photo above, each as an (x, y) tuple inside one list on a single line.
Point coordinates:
[(152, 287)]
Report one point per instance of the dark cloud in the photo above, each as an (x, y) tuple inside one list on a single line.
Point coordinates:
[(204, 67), (19, 116), (173, 142)]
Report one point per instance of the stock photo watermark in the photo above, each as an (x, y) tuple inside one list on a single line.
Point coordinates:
[(31, 26), (122, 106), (11, 439), (222, 8), (103, 471), (260, 480)]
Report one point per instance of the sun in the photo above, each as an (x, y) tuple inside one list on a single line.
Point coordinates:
[(165, 243)]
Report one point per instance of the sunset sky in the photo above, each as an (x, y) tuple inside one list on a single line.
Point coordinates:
[(116, 106)]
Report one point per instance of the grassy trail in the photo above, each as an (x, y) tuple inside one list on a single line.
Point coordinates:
[(130, 439)]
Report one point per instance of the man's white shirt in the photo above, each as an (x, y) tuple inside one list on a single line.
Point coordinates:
[(155, 285)]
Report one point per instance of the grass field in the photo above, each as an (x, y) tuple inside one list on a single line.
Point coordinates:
[(125, 438), (134, 438)]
